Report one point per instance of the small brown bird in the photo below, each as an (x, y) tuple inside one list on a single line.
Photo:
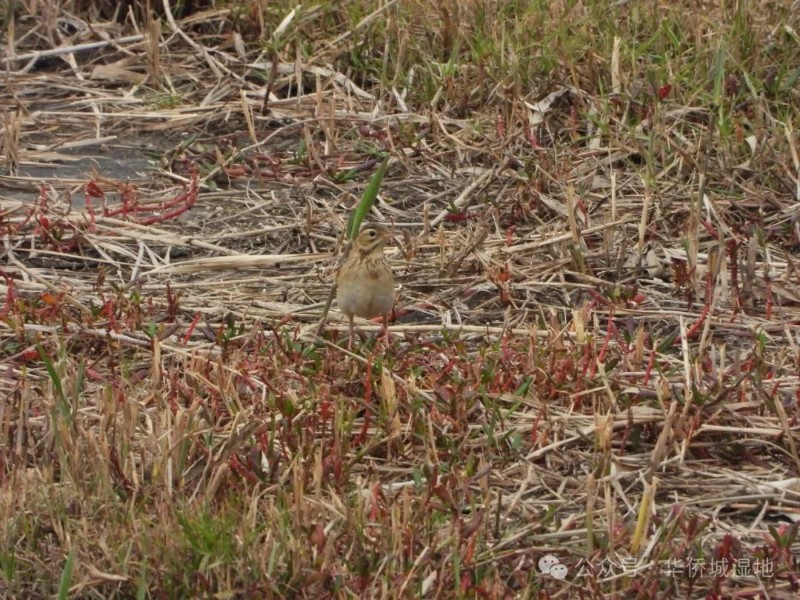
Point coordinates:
[(365, 284)]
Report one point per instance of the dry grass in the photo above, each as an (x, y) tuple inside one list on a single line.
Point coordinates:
[(595, 350)]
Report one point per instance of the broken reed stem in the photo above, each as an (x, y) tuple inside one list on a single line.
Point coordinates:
[(324, 317)]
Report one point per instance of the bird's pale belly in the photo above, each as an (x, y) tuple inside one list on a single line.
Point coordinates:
[(365, 305)]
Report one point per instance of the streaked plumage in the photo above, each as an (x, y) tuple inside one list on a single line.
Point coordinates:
[(365, 284)]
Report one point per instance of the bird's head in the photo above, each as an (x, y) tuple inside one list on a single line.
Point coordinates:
[(373, 238)]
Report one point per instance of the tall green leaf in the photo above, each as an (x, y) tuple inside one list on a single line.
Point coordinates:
[(51, 371), (367, 200), (66, 577)]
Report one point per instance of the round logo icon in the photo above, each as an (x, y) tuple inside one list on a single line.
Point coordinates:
[(558, 571), (550, 565)]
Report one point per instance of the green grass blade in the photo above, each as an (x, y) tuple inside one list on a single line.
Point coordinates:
[(66, 577), (719, 74), (51, 371), (141, 591), (367, 200)]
